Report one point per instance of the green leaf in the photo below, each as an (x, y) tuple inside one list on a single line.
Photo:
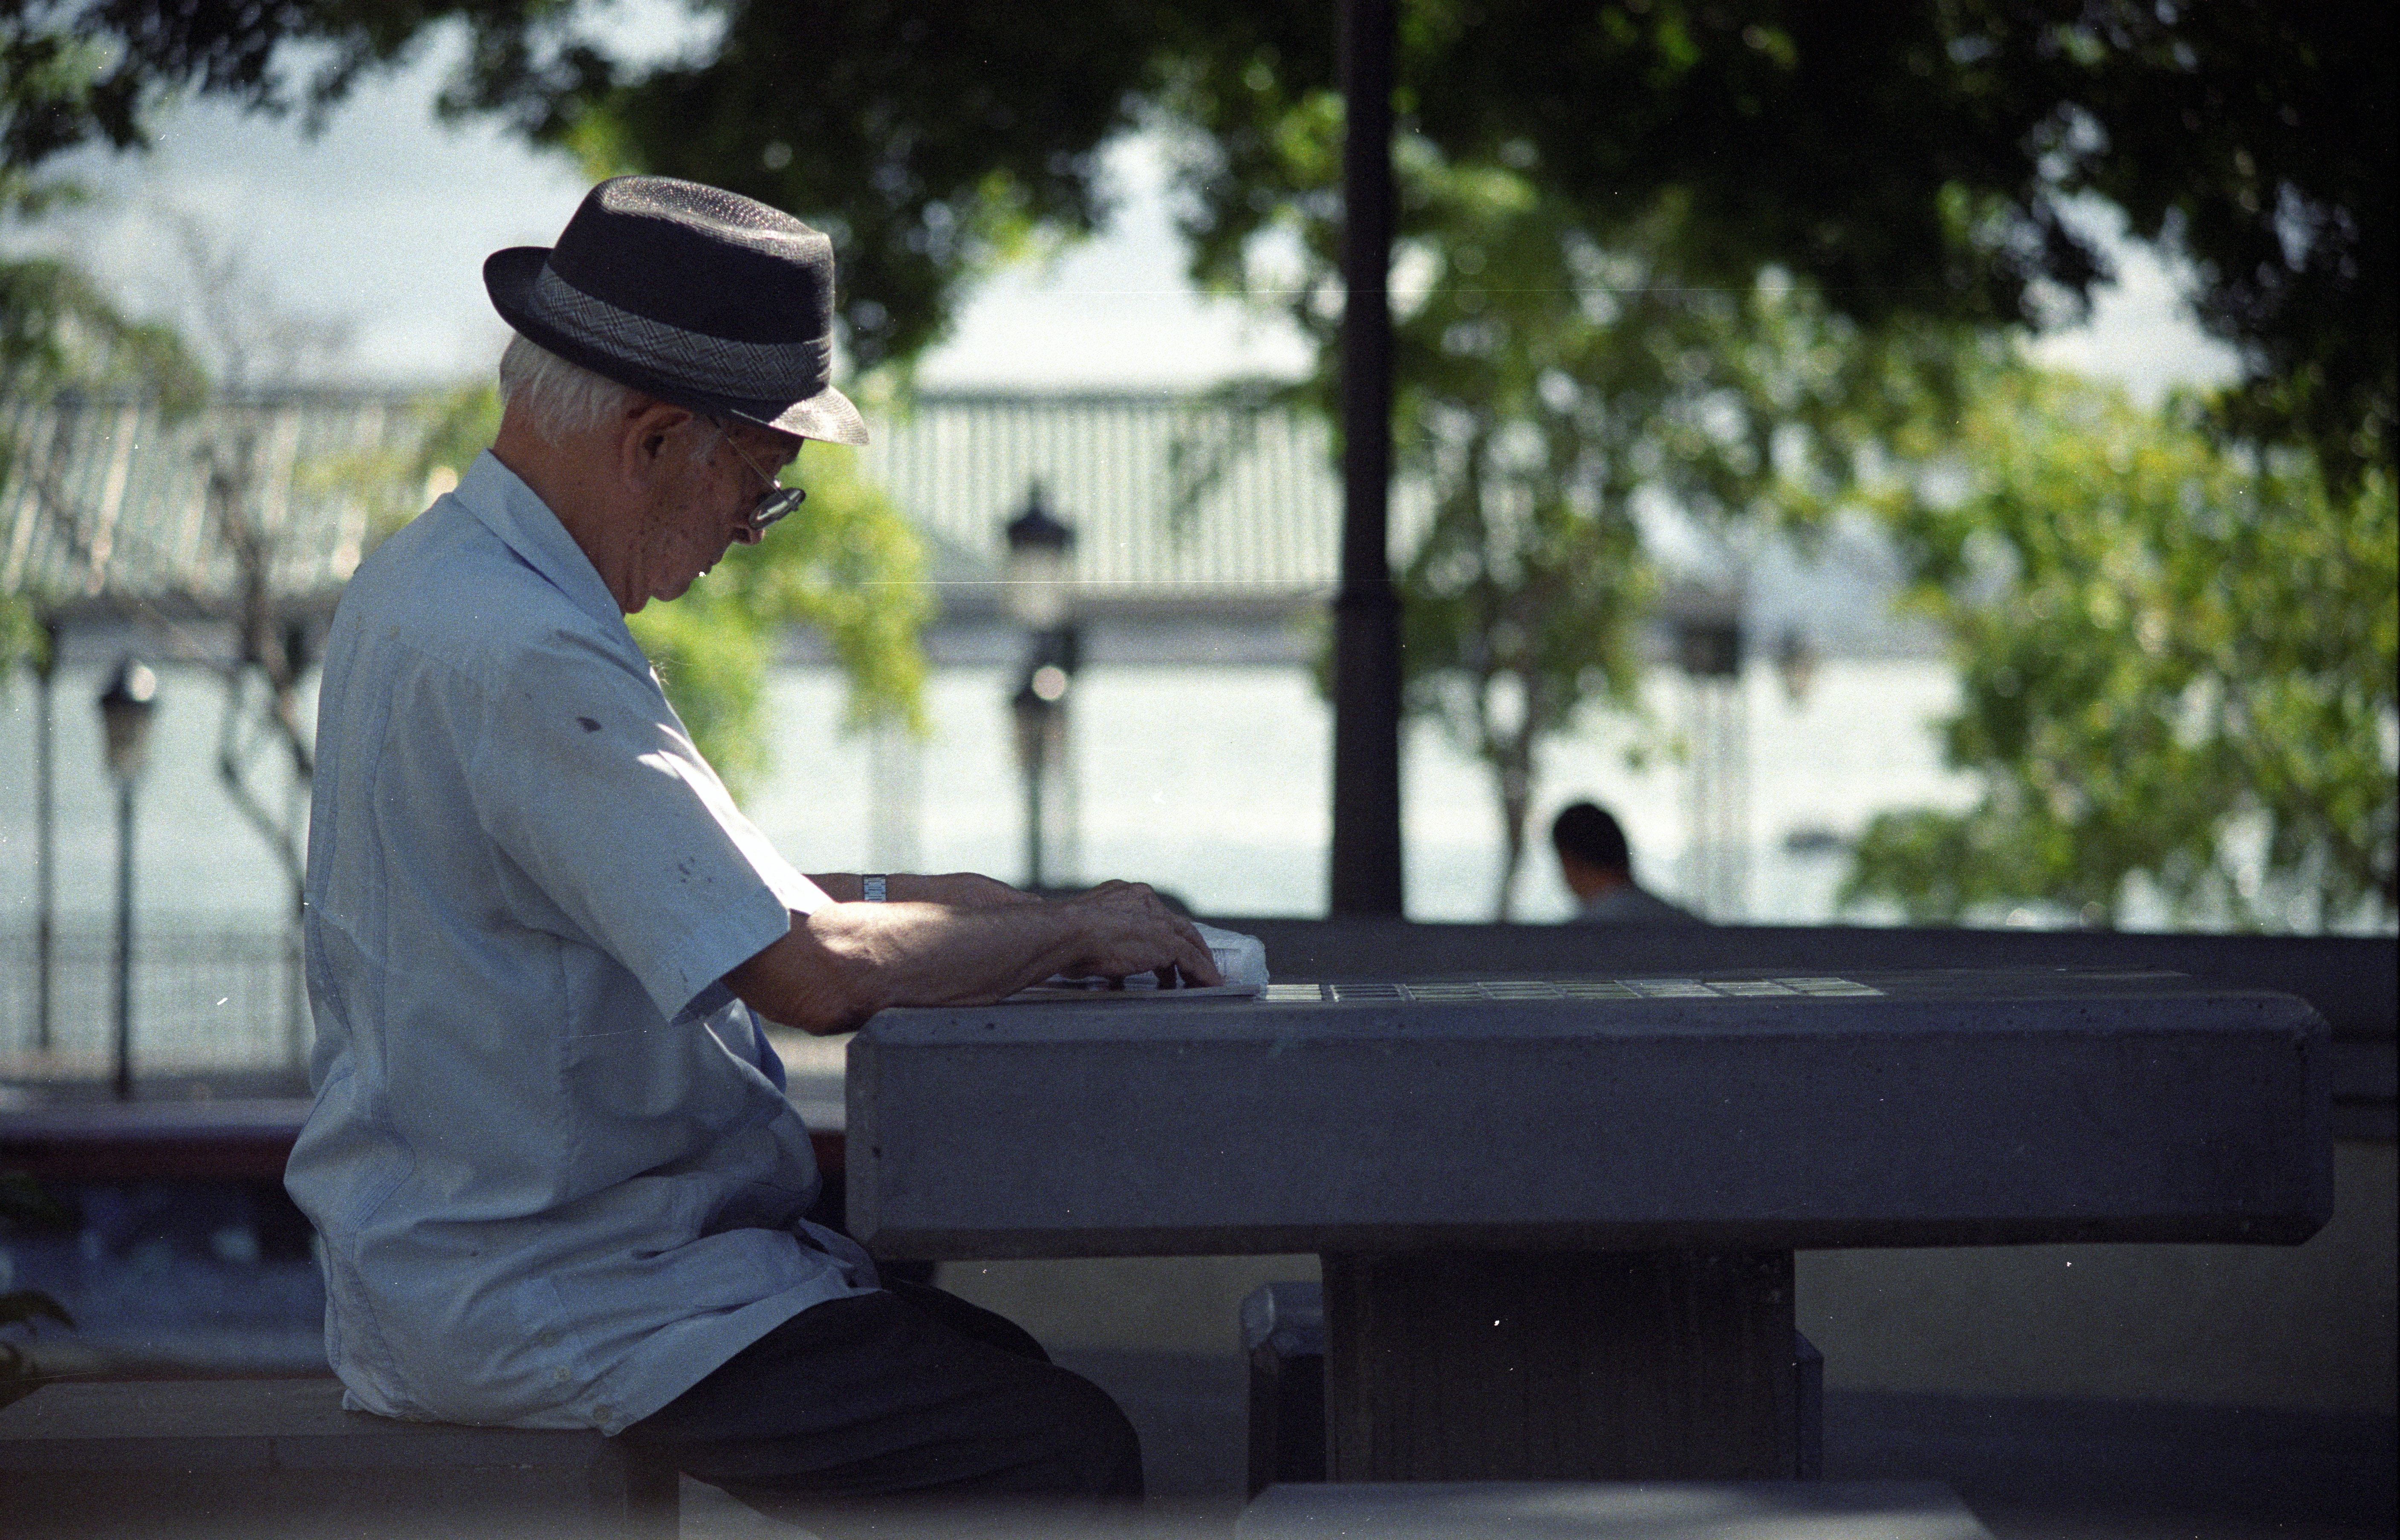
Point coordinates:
[(2177, 661)]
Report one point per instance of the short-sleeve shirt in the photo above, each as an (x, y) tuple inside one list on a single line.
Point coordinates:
[(549, 1157)]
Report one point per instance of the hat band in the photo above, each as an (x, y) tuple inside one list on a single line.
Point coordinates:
[(691, 360)]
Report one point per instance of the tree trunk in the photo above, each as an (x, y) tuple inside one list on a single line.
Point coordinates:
[(1512, 776)]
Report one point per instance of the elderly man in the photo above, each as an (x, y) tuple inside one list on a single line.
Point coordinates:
[(555, 1175)]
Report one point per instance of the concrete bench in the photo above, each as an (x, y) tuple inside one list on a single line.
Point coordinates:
[(1612, 1510), (280, 1460)]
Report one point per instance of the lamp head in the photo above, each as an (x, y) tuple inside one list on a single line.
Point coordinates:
[(1038, 547), (124, 708)]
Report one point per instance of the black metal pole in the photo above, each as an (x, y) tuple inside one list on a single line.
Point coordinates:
[(45, 844), (123, 1079), (1031, 718), (1033, 791), (296, 806), (1366, 877), (295, 985)]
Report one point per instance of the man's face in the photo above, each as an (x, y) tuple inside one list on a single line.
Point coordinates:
[(711, 478)]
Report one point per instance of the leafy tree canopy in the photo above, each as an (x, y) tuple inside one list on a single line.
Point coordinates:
[(58, 332), (2178, 670), (1910, 158), (1913, 160)]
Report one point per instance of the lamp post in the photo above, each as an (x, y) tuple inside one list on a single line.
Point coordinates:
[(124, 708), (1365, 877), (46, 883), (1708, 648), (1036, 598), (1041, 733)]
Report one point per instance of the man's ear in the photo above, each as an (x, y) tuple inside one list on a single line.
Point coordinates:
[(642, 436)]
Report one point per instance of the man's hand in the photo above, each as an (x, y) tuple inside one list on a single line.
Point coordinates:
[(1124, 927)]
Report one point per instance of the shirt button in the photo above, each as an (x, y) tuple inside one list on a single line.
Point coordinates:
[(559, 1375)]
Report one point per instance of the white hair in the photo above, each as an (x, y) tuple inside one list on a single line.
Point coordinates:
[(562, 398)]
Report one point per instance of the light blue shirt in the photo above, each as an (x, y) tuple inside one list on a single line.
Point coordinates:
[(551, 1158)]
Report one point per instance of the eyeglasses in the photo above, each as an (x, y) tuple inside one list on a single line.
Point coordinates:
[(773, 503)]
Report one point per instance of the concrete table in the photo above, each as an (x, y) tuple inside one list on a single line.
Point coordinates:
[(1557, 1216)]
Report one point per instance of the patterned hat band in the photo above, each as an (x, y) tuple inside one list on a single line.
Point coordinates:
[(694, 361)]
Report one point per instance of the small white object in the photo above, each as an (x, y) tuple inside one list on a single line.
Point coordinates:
[(1242, 958)]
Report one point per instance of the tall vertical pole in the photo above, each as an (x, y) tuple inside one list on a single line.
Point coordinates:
[(124, 1077), (1366, 876), (1033, 718), (1034, 792), (296, 964), (45, 840)]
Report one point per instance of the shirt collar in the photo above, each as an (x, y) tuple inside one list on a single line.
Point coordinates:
[(515, 512)]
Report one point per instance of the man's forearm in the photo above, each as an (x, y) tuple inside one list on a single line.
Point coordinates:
[(835, 968), (840, 965)]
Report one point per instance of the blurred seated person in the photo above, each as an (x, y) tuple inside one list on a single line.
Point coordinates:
[(1597, 869)]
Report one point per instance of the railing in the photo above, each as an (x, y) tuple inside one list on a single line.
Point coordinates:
[(203, 1002)]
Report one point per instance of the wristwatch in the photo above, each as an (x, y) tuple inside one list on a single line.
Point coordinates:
[(873, 889)]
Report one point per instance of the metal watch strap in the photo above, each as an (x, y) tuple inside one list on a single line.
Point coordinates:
[(873, 889)]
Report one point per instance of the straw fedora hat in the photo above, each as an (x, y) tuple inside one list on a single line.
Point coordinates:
[(689, 293)]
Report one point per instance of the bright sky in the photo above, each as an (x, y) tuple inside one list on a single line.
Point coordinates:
[(378, 228)]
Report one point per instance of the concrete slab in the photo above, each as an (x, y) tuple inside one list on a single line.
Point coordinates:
[(257, 1458), (1604, 1510), (1725, 1110)]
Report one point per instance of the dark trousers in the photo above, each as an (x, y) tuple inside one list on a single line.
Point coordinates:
[(859, 1412)]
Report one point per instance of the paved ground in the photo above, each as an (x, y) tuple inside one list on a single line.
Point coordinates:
[(2101, 1470), (2031, 1470)]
